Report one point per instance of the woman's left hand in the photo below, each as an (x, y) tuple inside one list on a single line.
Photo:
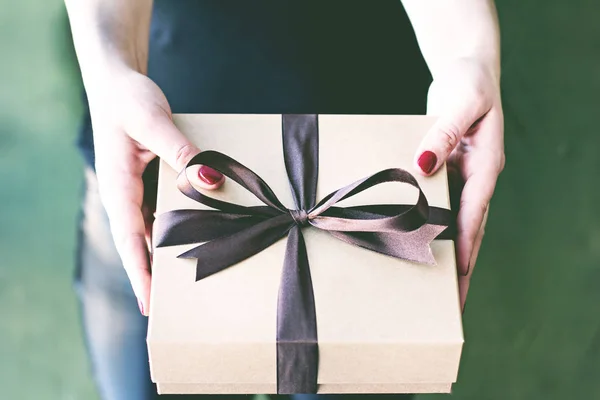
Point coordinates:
[(469, 135)]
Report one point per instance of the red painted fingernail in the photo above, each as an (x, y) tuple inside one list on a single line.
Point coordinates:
[(209, 175), (427, 161), (141, 306)]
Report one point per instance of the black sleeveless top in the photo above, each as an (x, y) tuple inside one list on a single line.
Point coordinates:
[(284, 56)]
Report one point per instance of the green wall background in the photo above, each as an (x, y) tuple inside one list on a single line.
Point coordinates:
[(533, 317)]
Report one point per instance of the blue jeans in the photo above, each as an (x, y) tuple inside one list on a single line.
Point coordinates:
[(114, 329)]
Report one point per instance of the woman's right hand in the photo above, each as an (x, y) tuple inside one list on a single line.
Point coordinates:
[(132, 124)]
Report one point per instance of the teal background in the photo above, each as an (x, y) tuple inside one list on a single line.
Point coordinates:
[(533, 318)]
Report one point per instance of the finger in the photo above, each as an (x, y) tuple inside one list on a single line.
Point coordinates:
[(480, 161), (122, 193), (444, 136), (463, 290), (459, 104), (464, 280), (474, 203), (160, 135), (477, 245)]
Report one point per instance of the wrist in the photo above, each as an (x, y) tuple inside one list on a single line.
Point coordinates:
[(489, 64), (115, 92), (484, 68), (106, 78)]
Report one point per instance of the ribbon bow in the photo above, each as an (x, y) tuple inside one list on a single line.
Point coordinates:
[(231, 233)]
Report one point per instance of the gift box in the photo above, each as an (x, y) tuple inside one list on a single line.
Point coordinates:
[(325, 306)]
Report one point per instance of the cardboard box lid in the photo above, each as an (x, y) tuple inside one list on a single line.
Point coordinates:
[(379, 319)]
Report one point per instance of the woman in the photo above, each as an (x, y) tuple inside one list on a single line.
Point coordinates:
[(229, 56)]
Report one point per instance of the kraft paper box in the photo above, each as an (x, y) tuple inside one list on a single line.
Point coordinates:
[(384, 325)]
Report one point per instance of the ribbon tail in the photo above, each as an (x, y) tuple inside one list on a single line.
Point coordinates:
[(297, 349), (178, 227), (411, 246), (218, 254)]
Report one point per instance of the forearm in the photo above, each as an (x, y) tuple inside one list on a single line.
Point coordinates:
[(449, 30), (109, 36)]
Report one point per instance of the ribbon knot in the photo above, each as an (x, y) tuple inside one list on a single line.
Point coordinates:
[(231, 233), (300, 217)]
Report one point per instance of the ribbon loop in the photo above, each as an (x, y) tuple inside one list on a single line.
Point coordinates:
[(237, 172)]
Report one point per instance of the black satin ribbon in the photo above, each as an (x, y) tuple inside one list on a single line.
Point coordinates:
[(231, 233)]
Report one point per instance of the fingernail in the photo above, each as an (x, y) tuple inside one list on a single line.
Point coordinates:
[(209, 175), (141, 306), (427, 161)]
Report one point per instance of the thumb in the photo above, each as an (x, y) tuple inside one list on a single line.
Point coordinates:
[(442, 139), (162, 137)]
